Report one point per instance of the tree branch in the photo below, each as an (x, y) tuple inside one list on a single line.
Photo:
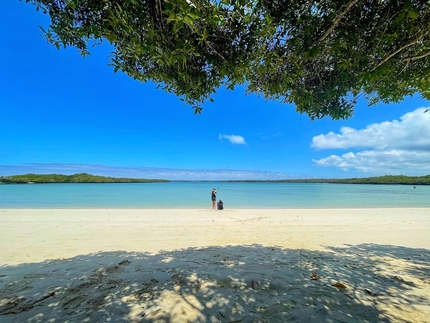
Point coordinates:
[(397, 51), (418, 57), (216, 52), (161, 13), (337, 20)]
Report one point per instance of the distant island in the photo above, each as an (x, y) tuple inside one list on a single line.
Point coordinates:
[(76, 178), (88, 178), (387, 179)]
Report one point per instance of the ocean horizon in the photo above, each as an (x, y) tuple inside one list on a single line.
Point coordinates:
[(181, 194)]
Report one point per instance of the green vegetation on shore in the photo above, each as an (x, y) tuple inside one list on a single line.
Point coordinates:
[(88, 178), (75, 178), (387, 179)]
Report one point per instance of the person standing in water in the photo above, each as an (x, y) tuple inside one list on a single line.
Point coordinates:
[(213, 196)]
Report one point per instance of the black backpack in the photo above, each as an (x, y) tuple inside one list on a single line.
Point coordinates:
[(220, 205)]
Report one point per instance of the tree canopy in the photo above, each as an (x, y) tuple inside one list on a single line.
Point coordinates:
[(320, 55)]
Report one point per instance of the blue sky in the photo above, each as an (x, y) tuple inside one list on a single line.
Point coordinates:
[(62, 113)]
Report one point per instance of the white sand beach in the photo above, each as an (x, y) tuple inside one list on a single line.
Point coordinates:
[(190, 265)]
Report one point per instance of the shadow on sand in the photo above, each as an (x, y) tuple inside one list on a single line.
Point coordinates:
[(361, 283)]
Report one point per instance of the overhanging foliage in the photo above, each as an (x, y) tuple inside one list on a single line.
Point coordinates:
[(320, 55)]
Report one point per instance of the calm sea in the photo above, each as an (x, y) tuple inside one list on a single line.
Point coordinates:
[(197, 195)]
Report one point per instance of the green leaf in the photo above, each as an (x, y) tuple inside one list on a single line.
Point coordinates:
[(188, 22), (72, 5), (171, 18), (197, 110), (412, 14)]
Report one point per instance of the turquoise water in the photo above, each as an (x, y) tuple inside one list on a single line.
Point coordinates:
[(197, 195)]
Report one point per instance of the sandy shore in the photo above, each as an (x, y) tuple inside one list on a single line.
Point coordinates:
[(256, 265)]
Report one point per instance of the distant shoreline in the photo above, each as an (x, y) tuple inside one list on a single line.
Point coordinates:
[(383, 180), (67, 179), (88, 178)]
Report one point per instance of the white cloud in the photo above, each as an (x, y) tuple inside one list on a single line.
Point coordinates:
[(411, 132), (234, 139), (381, 162), (392, 147)]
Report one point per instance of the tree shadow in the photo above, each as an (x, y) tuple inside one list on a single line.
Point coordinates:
[(355, 283)]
